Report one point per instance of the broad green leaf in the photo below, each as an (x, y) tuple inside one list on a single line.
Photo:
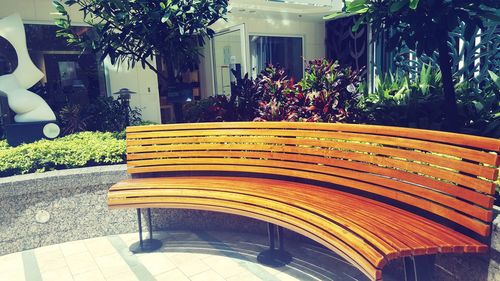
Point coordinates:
[(478, 106), (358, 23), (356, 7), (396, 6), (494, 16), (413, 4), (495, 78), (355, 3)]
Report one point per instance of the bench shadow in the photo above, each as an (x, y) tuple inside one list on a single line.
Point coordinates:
[(310, 260)]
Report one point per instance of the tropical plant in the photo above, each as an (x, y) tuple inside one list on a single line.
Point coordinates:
[(332, 90), (136, 31), (73, 119), (275, 95), (425, 26), (390, 90), (244, 99), (109, 115), (211, 109), (327, 93), (103, 114), (398, 100), (472, 59), (480, 112)]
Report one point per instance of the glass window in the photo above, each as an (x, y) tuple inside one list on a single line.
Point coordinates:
[(285, 51), (228, 59)]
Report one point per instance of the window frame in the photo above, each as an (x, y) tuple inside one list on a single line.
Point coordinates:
[(301, 36)]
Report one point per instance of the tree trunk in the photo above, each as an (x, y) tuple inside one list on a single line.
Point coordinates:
[(450, 100)]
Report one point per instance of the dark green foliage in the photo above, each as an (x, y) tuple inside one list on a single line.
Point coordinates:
[(103, 114), (135, 31), (109, 115), (77, 150), (425, 26), (239, 106), (73, 119), (483, 47), (398, 101), (243, 98), (211, 109), (422, 24), (480, 112)]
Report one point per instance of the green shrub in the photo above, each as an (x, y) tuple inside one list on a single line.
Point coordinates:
[(103, 114), (400, 101), (76, 150), (211, 109)]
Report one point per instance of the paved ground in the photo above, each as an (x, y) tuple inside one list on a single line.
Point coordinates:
[(200, 256)]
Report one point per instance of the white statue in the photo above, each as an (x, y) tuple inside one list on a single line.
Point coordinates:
[(28, 106)]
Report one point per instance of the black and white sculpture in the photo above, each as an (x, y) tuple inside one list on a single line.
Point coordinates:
[(34, 118)]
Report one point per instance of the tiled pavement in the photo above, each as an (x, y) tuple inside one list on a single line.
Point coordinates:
[(195, 256)]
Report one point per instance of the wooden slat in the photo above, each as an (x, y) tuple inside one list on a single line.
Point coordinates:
[(427, 194), (308, 194), (142, 145), (423, 182), (313, 211), (467, 181), (371, 218), (470, 154), (310, 210), (372, 253), (449, 175), (474, 225), (437, 136)]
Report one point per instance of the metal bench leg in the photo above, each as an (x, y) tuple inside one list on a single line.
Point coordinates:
[(275, 257), (148, 245), (419, 268)]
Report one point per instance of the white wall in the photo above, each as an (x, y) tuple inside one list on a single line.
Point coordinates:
[(144, 82), (313, 33), (38, 11), (232, 42)]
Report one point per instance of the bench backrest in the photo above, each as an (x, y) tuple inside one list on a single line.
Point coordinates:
[(449, 175)]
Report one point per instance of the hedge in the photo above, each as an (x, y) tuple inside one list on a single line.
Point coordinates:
[(72, 151)]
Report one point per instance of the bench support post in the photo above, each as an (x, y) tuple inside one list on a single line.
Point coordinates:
[(419, 268), (148, 245), (275, 257)]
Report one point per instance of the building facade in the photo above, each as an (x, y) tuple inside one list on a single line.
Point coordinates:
[(256, 32)]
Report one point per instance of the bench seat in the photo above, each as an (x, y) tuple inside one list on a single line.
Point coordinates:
[(366, 232)]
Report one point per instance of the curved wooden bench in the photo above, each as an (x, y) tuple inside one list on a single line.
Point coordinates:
[(372, 194)]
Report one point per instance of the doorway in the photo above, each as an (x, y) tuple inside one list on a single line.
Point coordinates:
[(228, 58)]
